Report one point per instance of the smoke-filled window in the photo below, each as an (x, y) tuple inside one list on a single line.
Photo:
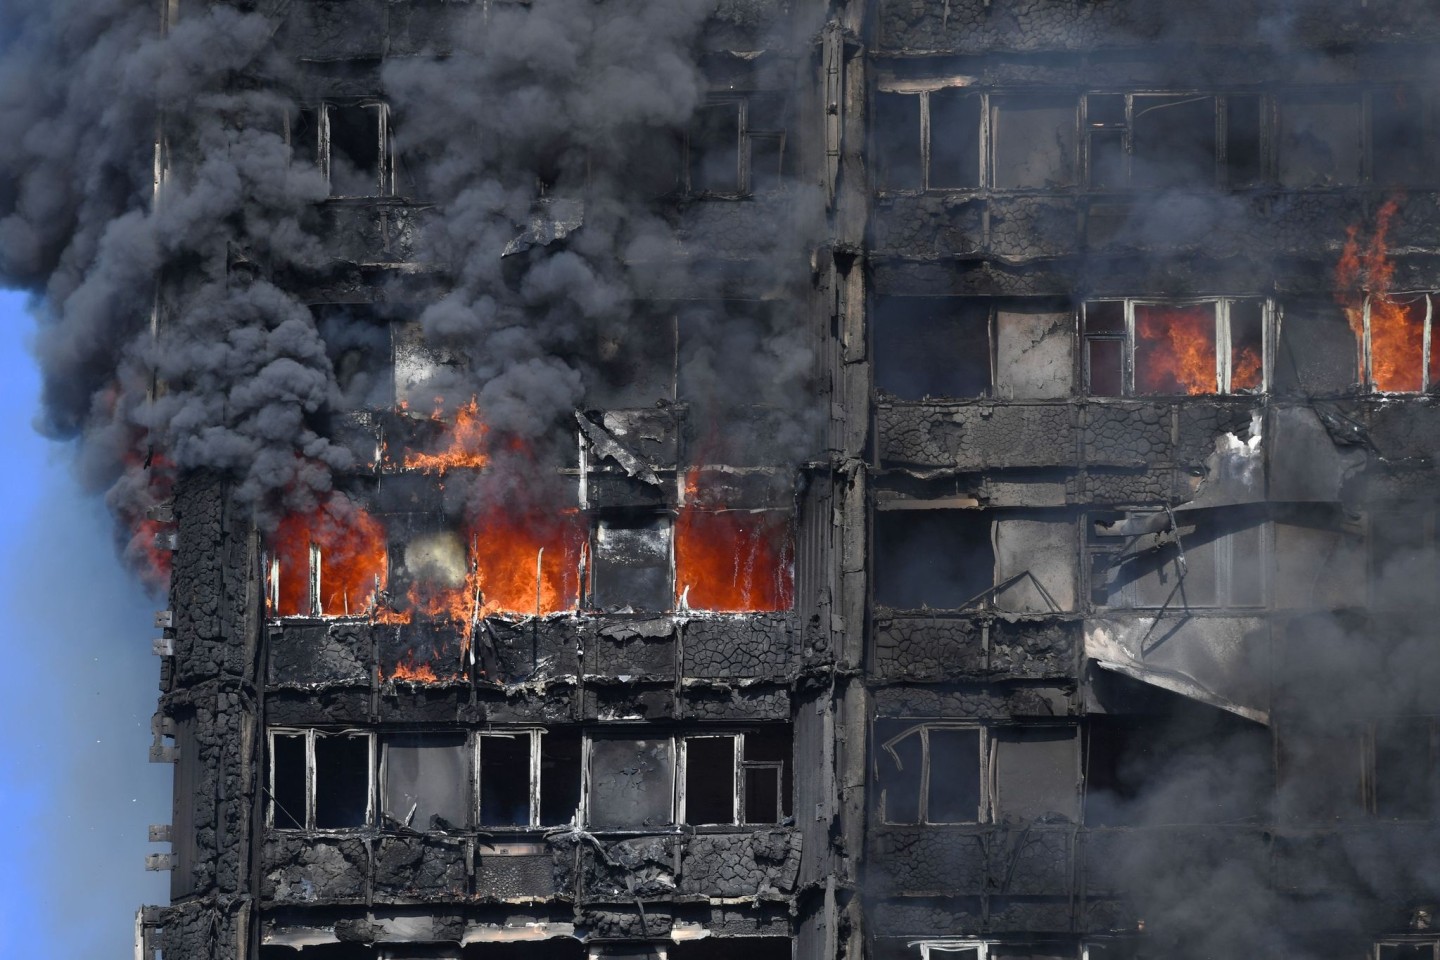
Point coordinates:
[(1408, 950), (1319, 139), (737, 147), (1200, 558), (928, 139), (351, 143), (425, 781), (1404, 557), (320, 780), (954, 347), (936, 772), (1157, 348), (1174, 140), (1033, 142), (1315, 351), (737, 778)]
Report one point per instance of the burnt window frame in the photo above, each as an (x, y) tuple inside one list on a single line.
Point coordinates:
[(629, 735), (738, 778), (923, 91), (1364, 96), (1377, 952), (746, 136), (988, 775), (1365, 372), (321, 119), (311, 735), (1100, 545), (1224, 350), (1125, 128)]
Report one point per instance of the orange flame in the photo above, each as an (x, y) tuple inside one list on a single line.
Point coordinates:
[(732, 561), (528, 560), (352, 558), (1397, 329), (467, 442), (408, 669), (1175, 349)]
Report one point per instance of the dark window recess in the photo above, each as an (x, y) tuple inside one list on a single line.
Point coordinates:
[(954, 138), (1406, 951), (560, 764), (1319, 141), (728, 948), (305, 136), (427, 781), (631, 784), (632, 564), (932, 347), (505, 780), (710, 779), (715, 149), (896, 135), (1105, 119), (1105, 340), (1179, 762), (342, 781), (288, 787), (1247, 345), (772, 746), (954, 774), (1316, 352), (765, 130), (932, 558), (1397, 137), (657, 161), (762, 792), (1244, 162), (1173, 141), (928, 774), (1033, 142), (1405, 769), (355, 151)]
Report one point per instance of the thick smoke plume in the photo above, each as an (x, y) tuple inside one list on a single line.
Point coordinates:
[(169, 338)]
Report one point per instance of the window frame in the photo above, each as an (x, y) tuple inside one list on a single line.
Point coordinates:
[(386, 154), (1426, 941), (1221, 173), (587, 775), (989, 736), (744, 147), (738, 780), (1364, 349), (1224, 347), (311, 735)]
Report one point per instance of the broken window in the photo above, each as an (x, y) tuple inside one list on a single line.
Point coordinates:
[(1316, 352), (1319, 139), (937, 772), (940, 347), (1394, 342), (331, 562), (1150, 348), (941, 559), (528, 778), (351, 143), (734, 560), (1033, 142), (736, 146), (735, 778), (1173, 140), (928, 139), (1145, 559), (631, 783), (632, 564), (425, 781), (320, 780)]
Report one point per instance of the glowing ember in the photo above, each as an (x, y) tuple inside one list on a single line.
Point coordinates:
[(1397, 328), (1175, 349), (352, 556), (467, 443), (733, 561)]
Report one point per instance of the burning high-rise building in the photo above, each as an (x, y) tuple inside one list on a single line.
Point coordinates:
[(833, 481)]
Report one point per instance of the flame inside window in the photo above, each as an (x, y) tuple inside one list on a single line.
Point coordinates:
[(350, 549), (528, 561), (735, 561), (1175, 349), (1397, 344)]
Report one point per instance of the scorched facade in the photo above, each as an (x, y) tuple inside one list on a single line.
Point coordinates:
[(1072, 596)]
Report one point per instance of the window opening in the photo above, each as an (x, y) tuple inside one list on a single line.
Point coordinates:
[(1153, 348), (1319, 139), (632, 564), (426, 780), (1146, 559), (737, 147), (631, 783), (561, 761), (505, 779), (319, 780), (1173, 140), (942, 559), (355, 142)]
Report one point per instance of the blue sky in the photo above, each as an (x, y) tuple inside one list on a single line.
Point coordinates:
[(76, 790)]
